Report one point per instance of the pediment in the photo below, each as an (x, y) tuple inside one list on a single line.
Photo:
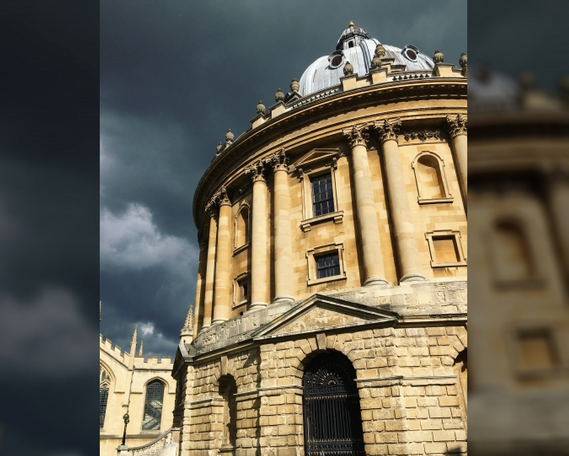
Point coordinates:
[(319, 313), (316, 156)]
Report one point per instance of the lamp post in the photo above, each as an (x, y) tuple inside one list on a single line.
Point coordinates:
[(123, 444)]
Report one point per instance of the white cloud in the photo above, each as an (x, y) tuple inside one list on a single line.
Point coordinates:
[(147, 329), (131, 240), (46, 335)]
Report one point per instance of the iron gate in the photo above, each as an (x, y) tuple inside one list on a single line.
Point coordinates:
[(332, 416)]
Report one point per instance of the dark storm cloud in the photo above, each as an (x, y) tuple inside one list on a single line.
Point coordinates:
[(174, 78)]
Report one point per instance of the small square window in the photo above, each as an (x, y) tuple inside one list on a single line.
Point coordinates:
[(445, 249), (322, 194), (327, 265), (241, 290)]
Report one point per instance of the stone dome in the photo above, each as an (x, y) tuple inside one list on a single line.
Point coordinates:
[(357, 47)]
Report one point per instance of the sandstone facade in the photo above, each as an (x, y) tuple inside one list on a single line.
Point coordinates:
[(333, 234)]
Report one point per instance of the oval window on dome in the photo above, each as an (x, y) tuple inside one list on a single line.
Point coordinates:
[(410, 52), (336, 59)]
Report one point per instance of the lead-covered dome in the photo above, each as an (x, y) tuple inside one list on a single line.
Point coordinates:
[(357, 47)]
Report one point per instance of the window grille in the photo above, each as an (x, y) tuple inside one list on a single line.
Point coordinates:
[(153, 406), (103, 398), (327, 265), (104, 383), (322, 195), (332, 415)]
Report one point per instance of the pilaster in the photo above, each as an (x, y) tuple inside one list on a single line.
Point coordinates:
[(457, 128)]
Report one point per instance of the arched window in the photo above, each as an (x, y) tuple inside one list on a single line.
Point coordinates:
[(431, 182), (332, 415), (242, 227), (512, 258), (153, 406), (227, 390), (104, 386)]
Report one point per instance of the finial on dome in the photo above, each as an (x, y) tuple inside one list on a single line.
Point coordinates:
[(351, 24), (219, 148), (294, 85), (438, 57), (260, 108), (279, 96), (229, 137), (463, 61), (379, 53), (348, 69)]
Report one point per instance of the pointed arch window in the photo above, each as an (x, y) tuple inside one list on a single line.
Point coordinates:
[(153, 406), (432, 186), (104, 386), (332, 414)]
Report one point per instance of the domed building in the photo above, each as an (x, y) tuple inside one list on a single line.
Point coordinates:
[(330, 312)]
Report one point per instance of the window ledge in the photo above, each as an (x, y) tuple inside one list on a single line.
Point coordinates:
[(327, 279), (448, 265), (449, 199), (239, 304), (337, 216), (239, 249)]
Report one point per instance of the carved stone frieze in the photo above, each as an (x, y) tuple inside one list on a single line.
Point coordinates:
[(358, 135), (422, 135), (456, 126), (388, 129)]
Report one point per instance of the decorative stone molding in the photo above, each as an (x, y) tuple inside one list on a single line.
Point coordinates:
[(279, 161), (358, 135), (457, 126), (422, 135), (257, 170), (388, 130), (220, 198)]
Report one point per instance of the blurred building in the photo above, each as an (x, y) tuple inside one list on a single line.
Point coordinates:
[(519, 258), (143, 388), (330, 314)]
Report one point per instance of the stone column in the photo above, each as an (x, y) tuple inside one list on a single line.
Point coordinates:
[(210, 266), (222, 288), (283, 237), (365, 203), (557, 188), (406, 243), (459, 143), (200, 285), (259, 241)]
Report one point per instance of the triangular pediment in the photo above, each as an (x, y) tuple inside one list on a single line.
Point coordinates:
[(316, 156), (319, 313)]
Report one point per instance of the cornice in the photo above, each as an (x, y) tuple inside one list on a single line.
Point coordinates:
[(368, 96)]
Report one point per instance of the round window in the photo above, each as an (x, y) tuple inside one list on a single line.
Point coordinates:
[(336, 61), (411, 55)]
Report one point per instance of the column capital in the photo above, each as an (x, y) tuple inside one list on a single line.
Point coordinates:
[(220, 198), (388, 129), (456, 126), (358, 135), (279, 161), (257, 170)]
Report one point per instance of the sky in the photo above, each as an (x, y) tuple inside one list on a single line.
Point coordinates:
[(175, 76), (104, 136)]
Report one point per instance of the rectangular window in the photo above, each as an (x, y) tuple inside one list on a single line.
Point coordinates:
[(322, 195), (445, 248), (327, 265)]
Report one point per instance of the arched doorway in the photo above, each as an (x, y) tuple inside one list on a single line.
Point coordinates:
[(332, 416)]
